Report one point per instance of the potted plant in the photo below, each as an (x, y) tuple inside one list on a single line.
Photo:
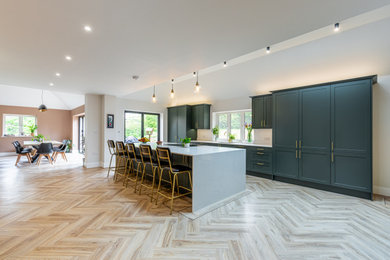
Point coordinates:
[(32, 129), (231, 137), (249, 128), (215, 133), (144, 140), (38, 138), (186, 142)]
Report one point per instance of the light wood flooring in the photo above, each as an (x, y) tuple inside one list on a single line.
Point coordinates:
[(68, 212)]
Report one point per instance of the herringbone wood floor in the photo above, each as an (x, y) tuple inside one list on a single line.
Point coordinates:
[(68, 212)]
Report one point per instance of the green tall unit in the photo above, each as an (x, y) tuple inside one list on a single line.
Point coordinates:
[(322, 136), (179, 124)]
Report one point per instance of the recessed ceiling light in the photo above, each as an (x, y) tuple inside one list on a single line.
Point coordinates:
[(336, 27), (51, 84), (225, 64), (87, 28), (268, 49), (67, 57), (58, 74), (194, 74)]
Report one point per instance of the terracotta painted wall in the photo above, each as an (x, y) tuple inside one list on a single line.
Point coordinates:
[(54, 123)]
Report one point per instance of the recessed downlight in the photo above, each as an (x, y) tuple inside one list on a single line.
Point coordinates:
[(268, 49), (51, 84), (58, 74), (87, 28), (194, 74), (336, 27), (224, 64), (67, 57)]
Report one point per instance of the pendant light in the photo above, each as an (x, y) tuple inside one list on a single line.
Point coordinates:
[(154, 95), (42, 107), (172, 91), (197, 86)]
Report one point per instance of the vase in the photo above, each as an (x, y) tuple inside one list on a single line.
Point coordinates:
[(215, 137), (187, 145), (249, 137)]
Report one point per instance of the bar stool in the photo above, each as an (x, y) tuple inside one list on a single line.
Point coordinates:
[(164, 161), (121, 161), (135, 165), (147, 160), (111, 149)]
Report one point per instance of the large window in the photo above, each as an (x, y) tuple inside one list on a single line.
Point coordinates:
[(233, 122), (140, 124), (18, 125)]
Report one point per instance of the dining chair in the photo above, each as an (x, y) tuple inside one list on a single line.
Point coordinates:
[(147, 162), (164, 158), (60, 150), (44, 150), (21, 151)]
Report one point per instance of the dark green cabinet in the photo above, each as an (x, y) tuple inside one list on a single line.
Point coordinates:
[(323, 135), (201, 116), (262, 112), (179, 123)]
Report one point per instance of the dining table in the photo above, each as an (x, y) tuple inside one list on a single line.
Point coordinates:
[(37, 143)]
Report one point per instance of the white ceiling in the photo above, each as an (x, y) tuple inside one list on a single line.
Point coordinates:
[(158, 40)]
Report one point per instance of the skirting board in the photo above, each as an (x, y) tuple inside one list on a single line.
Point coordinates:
[(381, 190), (93, 165)]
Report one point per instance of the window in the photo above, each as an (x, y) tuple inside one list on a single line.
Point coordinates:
[(233, 122), (140, 124), (18, 125)]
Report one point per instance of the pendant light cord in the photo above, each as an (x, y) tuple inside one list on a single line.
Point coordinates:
[(42, 96)]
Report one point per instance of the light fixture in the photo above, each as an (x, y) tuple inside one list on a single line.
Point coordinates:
[(268, 49), (172, 91), (58, 74), (67, 57), (336, 27), (51, 84), (194, 74), (154, 95), (197, 86), (87, 28), (224, 64), (42, 107)]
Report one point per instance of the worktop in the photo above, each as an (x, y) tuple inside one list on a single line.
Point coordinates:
[(233, 143)]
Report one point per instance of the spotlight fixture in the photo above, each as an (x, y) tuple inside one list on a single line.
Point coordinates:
[(51, 84), (87, 28), (67, 57), (194, 74), (336, 27), (58, 74), (172, 92), (268, 49), (154, 95), (197, 86), (225, 64), (42, 107)]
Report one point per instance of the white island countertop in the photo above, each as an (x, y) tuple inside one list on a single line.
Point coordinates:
[(198, 150)]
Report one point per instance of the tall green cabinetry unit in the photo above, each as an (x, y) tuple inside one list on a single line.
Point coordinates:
[(322, 136), (179, 123)]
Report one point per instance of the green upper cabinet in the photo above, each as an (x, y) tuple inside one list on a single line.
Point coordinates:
[(179, 123), (200, 116), (262, 111)]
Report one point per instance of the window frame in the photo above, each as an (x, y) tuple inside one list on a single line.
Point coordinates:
[(142, 122), (242, 137), (20, 124)]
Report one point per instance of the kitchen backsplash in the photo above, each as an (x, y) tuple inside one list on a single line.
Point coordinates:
[(261, 136)]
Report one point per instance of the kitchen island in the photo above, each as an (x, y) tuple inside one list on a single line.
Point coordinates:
[(218, 173)]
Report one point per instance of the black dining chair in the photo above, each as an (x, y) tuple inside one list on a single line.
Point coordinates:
[(21, 151), (61, 150), (45, 149)]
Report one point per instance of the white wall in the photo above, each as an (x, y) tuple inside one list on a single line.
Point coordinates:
[(381, 136), (93, 130)]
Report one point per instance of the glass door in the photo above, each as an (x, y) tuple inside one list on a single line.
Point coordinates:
[(82, 134), (141, 124)]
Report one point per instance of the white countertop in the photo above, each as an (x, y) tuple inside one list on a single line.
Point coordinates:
[(233, 143), (195, 150)]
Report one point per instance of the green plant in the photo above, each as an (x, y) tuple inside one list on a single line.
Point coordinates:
[(216, 130), (186, 140), (32, 128), (231, 137), (38, 138)]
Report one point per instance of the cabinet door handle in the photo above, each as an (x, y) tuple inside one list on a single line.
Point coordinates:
[(260, 164), (300, 154), (260, 153), (261, 123), (241, 146), (332, 145), (296, 144), (296, 154), (332, 157), (260, 149), (300, 144)]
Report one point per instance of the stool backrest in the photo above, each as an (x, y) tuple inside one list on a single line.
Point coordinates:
[(18, 147), (130, 147), (146, 153), (111, 146), (120, 147), (45, 148), (164, 157)]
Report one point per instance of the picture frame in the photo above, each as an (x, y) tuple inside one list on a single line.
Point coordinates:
[(110, 121)]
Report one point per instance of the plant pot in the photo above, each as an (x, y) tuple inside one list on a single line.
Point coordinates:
[(187, 145)]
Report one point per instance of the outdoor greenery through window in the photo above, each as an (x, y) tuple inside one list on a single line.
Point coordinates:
[(18, 125), (233, 122), (140, 124)]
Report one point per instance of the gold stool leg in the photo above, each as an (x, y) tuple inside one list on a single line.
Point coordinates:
[(136, 177), (173, 193), (159, 185), (142, 179)]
